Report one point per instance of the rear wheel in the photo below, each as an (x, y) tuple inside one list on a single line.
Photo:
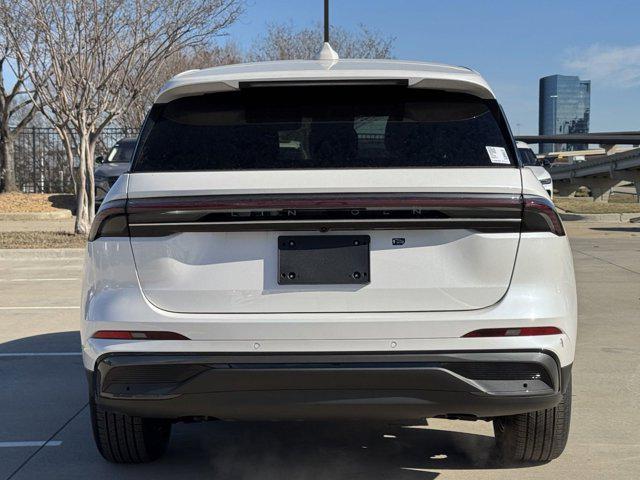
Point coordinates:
[(124, 439), (534, 437)]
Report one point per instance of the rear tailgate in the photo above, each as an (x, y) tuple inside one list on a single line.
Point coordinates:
[(440, 257)]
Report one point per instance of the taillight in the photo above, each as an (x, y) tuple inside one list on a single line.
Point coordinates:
[(513, 332), (539, 215), (110, 221), (137, 335)]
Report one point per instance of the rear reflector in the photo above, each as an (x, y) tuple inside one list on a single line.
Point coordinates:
[(129, 335), (513, 332)]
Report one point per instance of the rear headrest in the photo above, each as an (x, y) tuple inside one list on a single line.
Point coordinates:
[(398, 137), (331, 141), (256, 145)]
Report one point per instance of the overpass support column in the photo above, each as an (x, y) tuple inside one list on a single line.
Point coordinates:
[(566, 188), (637, 184), (601, 187), (601, 194)]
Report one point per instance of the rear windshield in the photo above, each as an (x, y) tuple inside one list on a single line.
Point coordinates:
[(324, 127)]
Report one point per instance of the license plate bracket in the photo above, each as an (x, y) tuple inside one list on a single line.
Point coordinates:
[(323, 259)]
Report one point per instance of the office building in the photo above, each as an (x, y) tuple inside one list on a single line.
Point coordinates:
[(565, 104)]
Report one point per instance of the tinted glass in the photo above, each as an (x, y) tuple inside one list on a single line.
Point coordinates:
[(321, 127), (121, 153), (527, 157)]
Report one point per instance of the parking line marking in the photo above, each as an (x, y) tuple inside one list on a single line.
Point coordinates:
[(40, 354), (50, 443), (49, 440), (39, 308), (46, 267), (39, 279)]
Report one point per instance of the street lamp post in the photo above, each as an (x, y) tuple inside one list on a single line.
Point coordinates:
[(555, 126)]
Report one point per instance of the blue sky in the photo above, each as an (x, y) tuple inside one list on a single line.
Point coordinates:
[(511, 43)]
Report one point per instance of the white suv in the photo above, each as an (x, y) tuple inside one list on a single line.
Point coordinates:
[(349, 239), (529, 160)]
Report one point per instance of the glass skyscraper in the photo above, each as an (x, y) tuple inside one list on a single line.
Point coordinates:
[(565, 104)]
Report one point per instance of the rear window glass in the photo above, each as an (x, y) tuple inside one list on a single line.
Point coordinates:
[(527, 157), (323, 127)]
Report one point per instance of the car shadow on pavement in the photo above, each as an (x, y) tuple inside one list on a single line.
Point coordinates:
[(329, 450), (617, 229), (266, 450), (46, 343)]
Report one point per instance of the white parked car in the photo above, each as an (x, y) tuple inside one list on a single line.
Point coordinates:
[(529, 160), (349, 239)]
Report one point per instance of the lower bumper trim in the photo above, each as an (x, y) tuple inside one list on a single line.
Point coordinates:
[(328, 386)]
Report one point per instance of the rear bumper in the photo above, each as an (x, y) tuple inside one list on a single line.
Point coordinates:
[(399, 386)]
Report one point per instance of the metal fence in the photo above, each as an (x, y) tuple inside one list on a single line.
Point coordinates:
[(41, 164)]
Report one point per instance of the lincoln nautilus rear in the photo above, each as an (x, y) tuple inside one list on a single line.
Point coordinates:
[(339, 240)]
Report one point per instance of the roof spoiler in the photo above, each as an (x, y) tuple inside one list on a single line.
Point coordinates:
[(170, 93)]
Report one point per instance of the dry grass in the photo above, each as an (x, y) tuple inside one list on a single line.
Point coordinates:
[(35, 202), (584, 206), (41, 240), (622, 198)]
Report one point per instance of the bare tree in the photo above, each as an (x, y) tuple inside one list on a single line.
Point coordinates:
[(16, 110), (283, 42), (95, 58), (188, 59)]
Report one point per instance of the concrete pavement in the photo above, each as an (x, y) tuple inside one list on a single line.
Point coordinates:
[(43, 395)]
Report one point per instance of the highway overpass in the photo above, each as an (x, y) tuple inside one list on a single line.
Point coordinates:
[(600, 174), (605, 138)]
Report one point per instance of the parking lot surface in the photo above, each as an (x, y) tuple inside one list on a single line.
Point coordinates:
[(44, 418)]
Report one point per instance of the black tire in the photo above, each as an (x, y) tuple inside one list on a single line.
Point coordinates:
[(124, 439), (534, 437)]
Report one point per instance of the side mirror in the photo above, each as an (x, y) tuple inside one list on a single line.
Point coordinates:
[(546, 162), (99, 159)]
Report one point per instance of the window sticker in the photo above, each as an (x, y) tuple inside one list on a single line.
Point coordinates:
[(498, 155)]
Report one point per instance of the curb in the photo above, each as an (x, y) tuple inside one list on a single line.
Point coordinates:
[(31, 216), (39, 253), (599, 217), (630, 217)]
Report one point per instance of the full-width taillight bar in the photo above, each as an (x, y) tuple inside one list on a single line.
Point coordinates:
[(483, 212), (321, 201)]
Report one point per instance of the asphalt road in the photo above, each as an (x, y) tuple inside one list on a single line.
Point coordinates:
[(44, 419)]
